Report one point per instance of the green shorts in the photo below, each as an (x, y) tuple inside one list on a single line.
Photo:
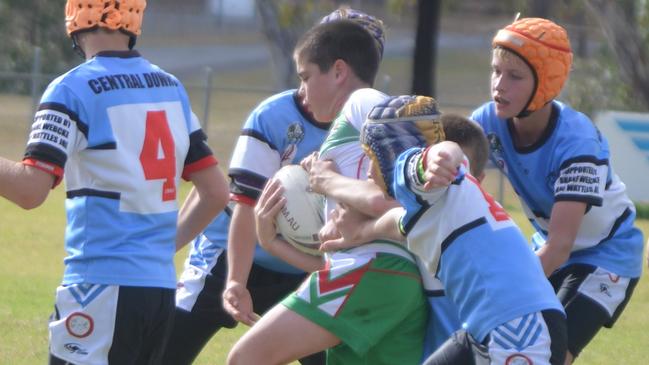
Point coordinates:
[(371, 298)]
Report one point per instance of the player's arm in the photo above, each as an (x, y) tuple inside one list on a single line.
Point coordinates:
[(439, 164), (565, 220), (270, 203), (207, 198), (355, 228), (24, 185), (241, 249), (364, 195)]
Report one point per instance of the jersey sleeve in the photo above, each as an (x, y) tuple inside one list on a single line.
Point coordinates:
[(199, 155), (582, 173), (359, 105), (409, 190), (56, 132), (255, 158)]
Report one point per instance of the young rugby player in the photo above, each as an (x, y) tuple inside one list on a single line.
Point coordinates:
[(365, 305), (558, 163), (228, 277), (463, 236), (121, 132)]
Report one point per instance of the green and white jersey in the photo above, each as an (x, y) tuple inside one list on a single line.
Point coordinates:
[(342, 145)]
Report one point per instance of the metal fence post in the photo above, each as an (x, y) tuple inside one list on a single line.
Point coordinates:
[(208, 97), (36, 78), (501, 188)]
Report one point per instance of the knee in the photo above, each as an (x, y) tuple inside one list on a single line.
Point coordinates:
[(240, 355)]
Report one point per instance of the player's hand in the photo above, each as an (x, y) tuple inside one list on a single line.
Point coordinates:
[(308, 161), (442, 162), (270, 202), (346, 228), (237, 302), (328, 231), (319, 172)]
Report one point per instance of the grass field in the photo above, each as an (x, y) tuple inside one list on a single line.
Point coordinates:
[(31, 243)]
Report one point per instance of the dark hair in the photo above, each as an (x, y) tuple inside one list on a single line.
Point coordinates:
[(341, 39), (469, 135)]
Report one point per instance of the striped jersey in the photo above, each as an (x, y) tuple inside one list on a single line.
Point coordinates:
[(121, 133), (277, 132), (471, 244), (570, 163)]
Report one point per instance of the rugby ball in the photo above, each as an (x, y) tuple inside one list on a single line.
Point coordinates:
[(302, 216)]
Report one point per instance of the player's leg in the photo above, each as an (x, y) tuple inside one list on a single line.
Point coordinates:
[(143, 322), (158, 328), (535, 338), (83, 323), (199, 312), (593, 298), (267, 288), (280, 336), (372, 301), (461, 349)]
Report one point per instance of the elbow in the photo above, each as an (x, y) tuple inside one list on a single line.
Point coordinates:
[(218, 196), (30, 201)]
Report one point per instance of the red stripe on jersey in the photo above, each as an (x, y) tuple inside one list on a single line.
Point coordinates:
[(243, 199), (55, 170), (204, 162), (352, 278)]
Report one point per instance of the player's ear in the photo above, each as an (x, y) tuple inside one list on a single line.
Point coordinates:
[(341, 70)]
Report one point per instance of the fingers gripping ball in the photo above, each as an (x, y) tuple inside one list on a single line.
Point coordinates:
[(302, 216), (395, 125)]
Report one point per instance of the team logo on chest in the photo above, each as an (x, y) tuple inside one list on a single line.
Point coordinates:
[(496, 148), (294, 135)]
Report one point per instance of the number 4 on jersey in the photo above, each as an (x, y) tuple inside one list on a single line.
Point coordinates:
[(158, 156)]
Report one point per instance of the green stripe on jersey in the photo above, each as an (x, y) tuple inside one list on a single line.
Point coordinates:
[(341, 132)]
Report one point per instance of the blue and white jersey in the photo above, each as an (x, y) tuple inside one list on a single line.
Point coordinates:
[(278, 132), (467, 239), (121, 132), (570, 163)]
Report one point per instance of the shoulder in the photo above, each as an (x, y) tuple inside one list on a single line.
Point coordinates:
[(574, 126), (485, 113), (283, 100), (276, 108), (360, 103)]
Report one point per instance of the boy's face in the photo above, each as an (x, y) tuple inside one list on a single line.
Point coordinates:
[(319, 89), (512, 84)]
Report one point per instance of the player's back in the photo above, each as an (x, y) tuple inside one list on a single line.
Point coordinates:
[(122, 129), (478, 253)]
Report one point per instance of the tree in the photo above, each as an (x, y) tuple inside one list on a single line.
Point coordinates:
[(282, 23), (25, 25), (617, 20), (425, 57)]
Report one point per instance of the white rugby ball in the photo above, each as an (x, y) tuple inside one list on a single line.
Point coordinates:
[(302, 216)]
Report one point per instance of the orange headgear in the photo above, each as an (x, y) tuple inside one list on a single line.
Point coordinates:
[(123, 15), (545, 47)]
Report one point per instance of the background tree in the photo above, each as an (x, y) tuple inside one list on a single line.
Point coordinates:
[(618, 22), (25, 25)]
